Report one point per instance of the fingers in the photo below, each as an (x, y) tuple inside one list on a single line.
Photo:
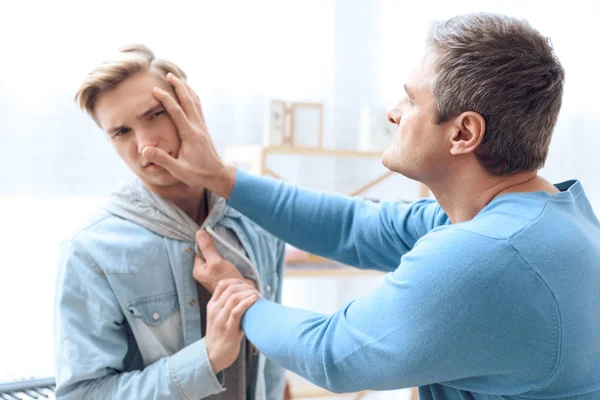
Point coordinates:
[(235, 317), (184, 95), (224, 315), (207, 247), (176, 112), (204, 275), (162, 158), (199, 272), (223, 288)]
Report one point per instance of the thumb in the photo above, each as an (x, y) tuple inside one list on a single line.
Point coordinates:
[(162, 159), (199, 272), (207, 247)]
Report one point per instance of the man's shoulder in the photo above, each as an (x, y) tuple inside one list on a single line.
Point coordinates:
[(504, 218), (466, 242), (104, 236), (485, 241), (101, 222), (507, 239), (533, 220), (456, 260), (97, 220)]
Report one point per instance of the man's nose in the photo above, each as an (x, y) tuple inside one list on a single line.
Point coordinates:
[(394, 115), (147, 138)]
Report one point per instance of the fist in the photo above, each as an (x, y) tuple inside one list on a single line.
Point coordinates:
[(211, 269)]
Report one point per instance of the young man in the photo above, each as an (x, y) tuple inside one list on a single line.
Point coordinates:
[(493, 288), (131, 321)]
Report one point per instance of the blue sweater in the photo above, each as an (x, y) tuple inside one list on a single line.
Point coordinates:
[(504, 306)]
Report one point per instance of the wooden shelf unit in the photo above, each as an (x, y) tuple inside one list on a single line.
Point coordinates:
[(255, 158)]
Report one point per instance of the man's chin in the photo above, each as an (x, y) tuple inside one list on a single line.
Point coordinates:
[(390, 160), (165, 180)]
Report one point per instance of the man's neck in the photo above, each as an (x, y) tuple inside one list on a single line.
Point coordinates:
[(192, 201), (464, 195)]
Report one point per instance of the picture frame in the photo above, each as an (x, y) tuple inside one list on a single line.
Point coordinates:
[(306, 124), (279, 133)]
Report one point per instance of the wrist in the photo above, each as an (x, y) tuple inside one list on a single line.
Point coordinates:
[(225, 180), (214, 361)]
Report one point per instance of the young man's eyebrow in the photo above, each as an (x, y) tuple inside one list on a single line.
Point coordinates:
[(115, 129), (151, 110)]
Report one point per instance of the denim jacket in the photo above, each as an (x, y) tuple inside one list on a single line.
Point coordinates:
[(127, 322)]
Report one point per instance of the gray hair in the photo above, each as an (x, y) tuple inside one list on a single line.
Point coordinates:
[(129, 61), (506, 71)]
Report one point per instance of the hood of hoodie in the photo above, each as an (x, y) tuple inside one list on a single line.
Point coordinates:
[(137, 204)]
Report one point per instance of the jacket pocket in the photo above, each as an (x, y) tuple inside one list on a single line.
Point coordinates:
[(156, 323)]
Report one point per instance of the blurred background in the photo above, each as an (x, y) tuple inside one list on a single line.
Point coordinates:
[(348, 55)]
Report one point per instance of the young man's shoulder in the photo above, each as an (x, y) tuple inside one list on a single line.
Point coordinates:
[(105, 238), (101, 224)]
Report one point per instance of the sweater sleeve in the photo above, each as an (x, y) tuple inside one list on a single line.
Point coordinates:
[(350, 230), (458, 307)]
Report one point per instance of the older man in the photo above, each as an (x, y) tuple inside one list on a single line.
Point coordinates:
[(493, 288)]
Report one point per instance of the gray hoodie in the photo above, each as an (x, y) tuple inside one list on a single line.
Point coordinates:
[(137, 204)]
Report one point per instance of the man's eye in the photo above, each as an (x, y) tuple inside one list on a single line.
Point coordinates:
[(121, 132), (156, 114)]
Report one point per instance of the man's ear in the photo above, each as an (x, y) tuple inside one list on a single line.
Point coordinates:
[(468, 131)]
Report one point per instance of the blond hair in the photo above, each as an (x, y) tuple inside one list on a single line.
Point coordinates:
[(130, 60)]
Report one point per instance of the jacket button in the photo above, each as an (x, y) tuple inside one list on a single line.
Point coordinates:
[(156, 316), (188, 249), (192, 302), (268, 288)]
